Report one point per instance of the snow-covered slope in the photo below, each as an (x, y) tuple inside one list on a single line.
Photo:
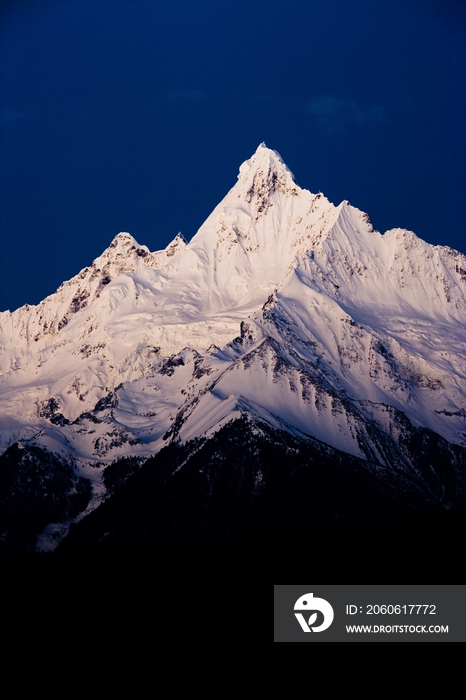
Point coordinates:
[(105, 325), (283, 307)]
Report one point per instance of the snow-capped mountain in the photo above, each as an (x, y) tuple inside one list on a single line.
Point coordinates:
[(283, 311)]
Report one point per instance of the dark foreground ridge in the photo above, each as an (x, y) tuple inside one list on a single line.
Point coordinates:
[(36, 488), (248, 484), (247, 487)]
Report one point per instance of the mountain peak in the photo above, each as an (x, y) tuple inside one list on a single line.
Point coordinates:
[(124, 247), (179, 238), (123, 239), (284, 310), (178, 243), (265, 162)]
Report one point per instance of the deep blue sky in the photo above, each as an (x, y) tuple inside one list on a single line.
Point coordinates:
[(134, 115)]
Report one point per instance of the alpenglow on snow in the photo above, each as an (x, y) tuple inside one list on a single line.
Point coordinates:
[(283, 310)]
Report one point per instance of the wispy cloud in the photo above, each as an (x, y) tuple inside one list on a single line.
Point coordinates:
[(337, 115), (182, 96)]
